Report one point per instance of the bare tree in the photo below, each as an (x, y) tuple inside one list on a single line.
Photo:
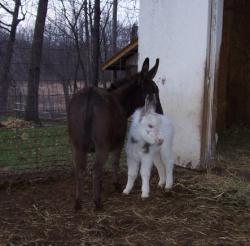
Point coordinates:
[(73, 22), (31, 111), (114, 33), (87, 41), (5, 68), (96, 44)]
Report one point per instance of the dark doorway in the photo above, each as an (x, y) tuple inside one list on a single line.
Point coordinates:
[(234, 73), (233, 98)]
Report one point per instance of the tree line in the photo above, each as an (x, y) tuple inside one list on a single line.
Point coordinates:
[(67, 45)]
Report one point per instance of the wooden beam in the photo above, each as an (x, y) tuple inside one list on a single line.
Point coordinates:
[(120, 54)]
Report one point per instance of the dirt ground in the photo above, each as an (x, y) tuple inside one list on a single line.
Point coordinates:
[(201, 209)]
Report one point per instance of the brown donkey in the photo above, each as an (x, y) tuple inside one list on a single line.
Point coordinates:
[(97, 123)]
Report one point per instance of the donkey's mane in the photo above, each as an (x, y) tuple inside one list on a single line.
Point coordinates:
[(123, 82)]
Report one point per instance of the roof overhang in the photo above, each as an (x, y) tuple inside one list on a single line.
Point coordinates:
[(118, 61)]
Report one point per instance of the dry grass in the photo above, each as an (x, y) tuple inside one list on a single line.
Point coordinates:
[(13, 124), (201, 209), (234, 153)]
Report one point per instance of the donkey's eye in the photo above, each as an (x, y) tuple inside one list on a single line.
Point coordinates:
[(150, 126)]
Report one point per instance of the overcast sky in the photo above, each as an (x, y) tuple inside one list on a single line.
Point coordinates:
[(128, 11)]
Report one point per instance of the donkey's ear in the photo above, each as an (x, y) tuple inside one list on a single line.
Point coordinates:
[(147, 105), (145, 67), (150, 103), (153, 70), (154, 102)]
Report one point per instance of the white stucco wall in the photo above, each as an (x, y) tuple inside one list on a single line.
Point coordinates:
[(176, 31)]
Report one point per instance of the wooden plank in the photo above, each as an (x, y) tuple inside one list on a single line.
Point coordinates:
[(125, 51), (208, 134)]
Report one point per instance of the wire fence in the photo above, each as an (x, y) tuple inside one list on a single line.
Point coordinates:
[(27, 147), (31, 147), (51, 100), (36, 150)]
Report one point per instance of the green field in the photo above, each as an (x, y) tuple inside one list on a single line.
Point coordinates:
[(37, 148), (34, 148)]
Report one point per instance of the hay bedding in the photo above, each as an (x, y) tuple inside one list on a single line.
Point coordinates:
[(234, 153), (15, 123), (202, 209)]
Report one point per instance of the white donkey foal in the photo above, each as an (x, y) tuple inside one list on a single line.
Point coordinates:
[(150, 140)]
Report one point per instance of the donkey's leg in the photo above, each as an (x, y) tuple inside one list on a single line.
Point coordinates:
[(115, 168), (80, 160), (146, 165), (168, 161), (133, 168), (161, 170), (101, 158)]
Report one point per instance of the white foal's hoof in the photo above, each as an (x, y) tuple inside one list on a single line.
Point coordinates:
[(125, 192), (161, 184), (144, 195), (168, 186)]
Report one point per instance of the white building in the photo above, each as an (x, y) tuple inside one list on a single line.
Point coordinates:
[(187, 35)]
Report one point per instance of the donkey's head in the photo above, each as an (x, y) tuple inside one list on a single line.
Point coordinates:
[(141, 85), (146, 86)]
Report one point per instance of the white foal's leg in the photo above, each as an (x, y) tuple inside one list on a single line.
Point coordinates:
[(168, 161), (146, 166), (169, 178), (133, 167), (161, 170)]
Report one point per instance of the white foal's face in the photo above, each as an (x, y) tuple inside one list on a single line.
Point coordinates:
[(149, 128)]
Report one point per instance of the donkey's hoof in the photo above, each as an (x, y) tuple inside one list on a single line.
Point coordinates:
[(118, 187), (78, 205), (98, 205)]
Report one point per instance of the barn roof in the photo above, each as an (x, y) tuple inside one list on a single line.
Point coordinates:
[(117, 61)]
